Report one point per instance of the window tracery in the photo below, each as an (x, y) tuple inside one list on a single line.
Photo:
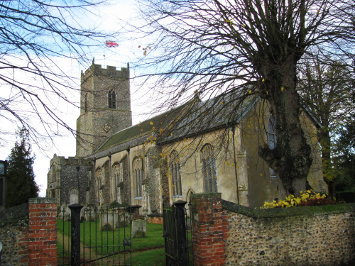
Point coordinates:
[(175, 174), (112, 99), (138, 176), (271, 139), (209, 168)]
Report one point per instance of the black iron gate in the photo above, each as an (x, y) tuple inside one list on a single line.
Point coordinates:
[(177, 235), (95, 236)]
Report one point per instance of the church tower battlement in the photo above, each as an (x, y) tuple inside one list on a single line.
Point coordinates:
[(105, 106), (110, 71)]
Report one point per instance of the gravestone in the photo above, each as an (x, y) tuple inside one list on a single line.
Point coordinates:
[(139, 228)]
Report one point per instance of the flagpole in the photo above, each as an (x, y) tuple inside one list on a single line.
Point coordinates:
[(109, 44), (104, 66)]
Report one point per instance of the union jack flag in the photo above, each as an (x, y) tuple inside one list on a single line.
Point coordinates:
[(111, 44)]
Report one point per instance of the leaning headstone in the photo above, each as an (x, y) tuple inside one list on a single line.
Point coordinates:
[(90, 213), (109, 220), (139, 228)]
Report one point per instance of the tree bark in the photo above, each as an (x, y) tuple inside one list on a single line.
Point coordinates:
[(290, 158)]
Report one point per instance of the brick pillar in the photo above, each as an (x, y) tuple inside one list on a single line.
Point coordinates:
[(208, 228), (42, 235)]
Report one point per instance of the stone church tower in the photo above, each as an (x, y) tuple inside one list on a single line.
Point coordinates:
[(105, 107)]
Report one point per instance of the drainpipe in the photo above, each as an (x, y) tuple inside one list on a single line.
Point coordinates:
[(112, 195), (235, 163), (129, 175)]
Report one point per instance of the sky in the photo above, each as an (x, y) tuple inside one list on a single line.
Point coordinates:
[(106, 17)]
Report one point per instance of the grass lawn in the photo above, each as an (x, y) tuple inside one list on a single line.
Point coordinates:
[(150, 257), (147, 250)]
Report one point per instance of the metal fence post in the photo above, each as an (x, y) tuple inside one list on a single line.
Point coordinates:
[(181, 232), (0, 251), (75, 233)]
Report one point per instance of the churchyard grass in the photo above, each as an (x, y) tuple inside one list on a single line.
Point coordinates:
[(147, 250), (154, 257)]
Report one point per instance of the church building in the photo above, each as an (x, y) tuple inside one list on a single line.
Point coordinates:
[(200, 146)]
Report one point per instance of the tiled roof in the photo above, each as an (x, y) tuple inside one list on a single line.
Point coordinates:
[(222, 111), (186, 120), (142, 130)]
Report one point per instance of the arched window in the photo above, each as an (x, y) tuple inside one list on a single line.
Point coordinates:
[(115, 180), (112, 99), (175, 174), (271, 133), (209, 168), (138, 176), (116, 175), (271, 139)]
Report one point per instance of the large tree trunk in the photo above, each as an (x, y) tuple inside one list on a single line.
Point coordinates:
[(290, 158)]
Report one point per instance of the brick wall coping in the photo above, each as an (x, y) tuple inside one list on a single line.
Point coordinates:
[(206, 195), (41, 201), (13, 214), (285, 212)]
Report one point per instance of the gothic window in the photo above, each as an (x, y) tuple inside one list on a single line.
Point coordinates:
[(209, 168), (271, 139), (271, 134), (138, 176), (112, 99), (175, 174), (116, 175), (121, 172)]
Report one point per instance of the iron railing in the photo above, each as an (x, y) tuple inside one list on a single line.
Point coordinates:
[(177, 234), (95, 236)]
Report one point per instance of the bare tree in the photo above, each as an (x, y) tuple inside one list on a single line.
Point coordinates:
[(327, 89), (36, 37), (251, 47)]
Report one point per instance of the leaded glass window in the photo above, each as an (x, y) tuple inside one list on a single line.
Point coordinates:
[(138, 176), (175, 174), (271, 139), (112, 99), (209, 169)]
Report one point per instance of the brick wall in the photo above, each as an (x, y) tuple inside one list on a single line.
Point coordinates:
[(208, 229), (228, 234), (32, 240), (155, 219)]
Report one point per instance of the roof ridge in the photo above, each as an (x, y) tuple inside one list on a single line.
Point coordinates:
[(146, 127)]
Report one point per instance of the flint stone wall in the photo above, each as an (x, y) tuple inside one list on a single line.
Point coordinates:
[(320, 235), (11, 235), (229, 234), (29, 234)]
